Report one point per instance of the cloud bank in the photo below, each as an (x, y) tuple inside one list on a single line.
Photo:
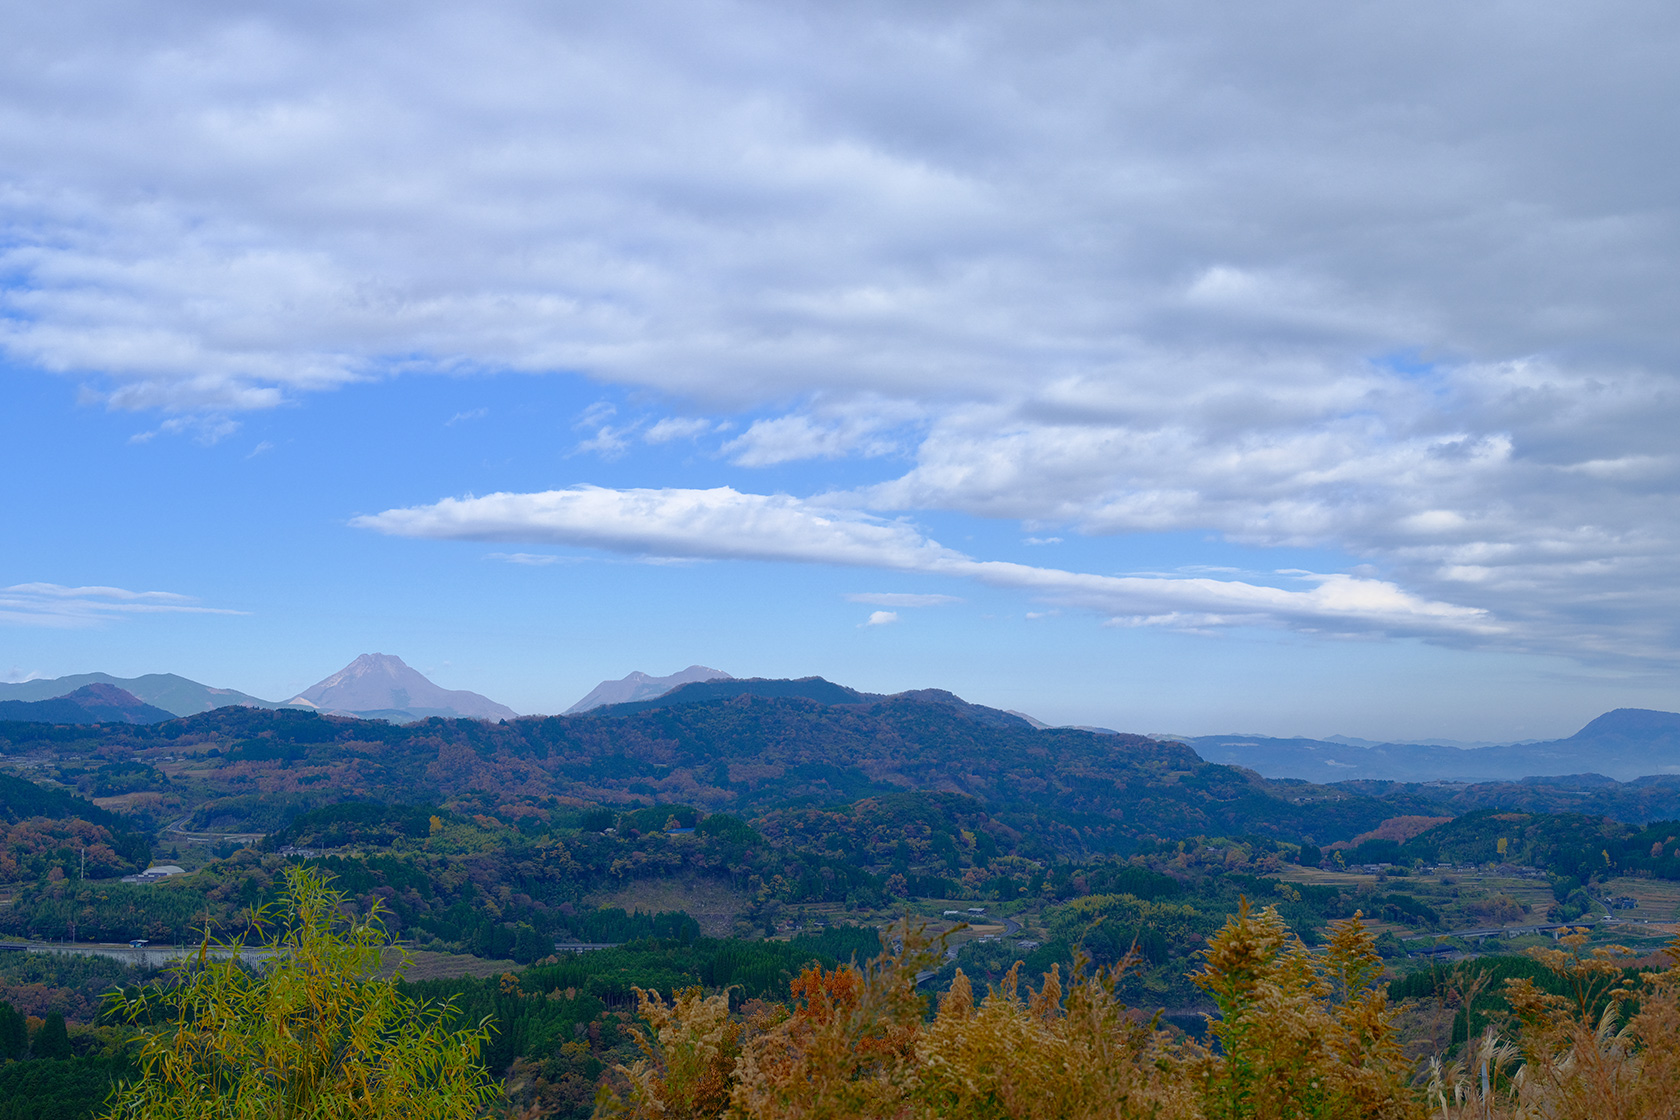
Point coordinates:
[(1392, 281)]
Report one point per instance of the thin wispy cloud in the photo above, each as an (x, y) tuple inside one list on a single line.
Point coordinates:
[(901, 599), (527, 559), (57, 606)]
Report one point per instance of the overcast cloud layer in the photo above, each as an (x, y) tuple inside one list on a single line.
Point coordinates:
[(1395, 280)]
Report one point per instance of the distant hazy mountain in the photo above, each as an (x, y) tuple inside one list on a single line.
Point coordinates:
[(92, 703), (380, 686), (1624, 744), (640, 686), (176, 695)]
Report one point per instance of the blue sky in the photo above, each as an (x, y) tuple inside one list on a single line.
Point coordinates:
[(1270, 372)]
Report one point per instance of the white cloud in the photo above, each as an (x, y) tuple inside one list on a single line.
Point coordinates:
[(863, 428), (726, 524), (528, 559), (901, 599), (674, 428), (463, 417), (881, 618), (54, 605)]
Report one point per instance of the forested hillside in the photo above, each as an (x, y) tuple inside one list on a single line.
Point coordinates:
[(254, 769)]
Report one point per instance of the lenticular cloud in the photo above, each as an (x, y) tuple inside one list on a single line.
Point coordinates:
[(726, 524)]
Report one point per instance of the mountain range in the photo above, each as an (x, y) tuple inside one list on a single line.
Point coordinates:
[(374, 686), (175, 695), (1623, 744)]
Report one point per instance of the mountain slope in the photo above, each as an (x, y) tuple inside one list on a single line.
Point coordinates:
[(174, 694), (381, 686), (92, 703), (640, 686)]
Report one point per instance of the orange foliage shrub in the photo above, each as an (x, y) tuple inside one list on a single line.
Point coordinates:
[(1301, 1035)]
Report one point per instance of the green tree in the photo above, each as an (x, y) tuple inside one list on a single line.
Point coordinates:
[(14, 1032), (309, 1033), (52, 1040)]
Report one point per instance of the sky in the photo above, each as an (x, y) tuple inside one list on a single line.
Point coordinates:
[(1171, 367)]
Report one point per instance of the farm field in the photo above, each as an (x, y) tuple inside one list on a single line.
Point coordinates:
[(1465, 900), (1659, 899)]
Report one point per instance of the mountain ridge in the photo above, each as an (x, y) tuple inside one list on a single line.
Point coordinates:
[(173, 693), (638, 686)]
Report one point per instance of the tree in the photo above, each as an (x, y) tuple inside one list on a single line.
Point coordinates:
[(14, 1032), (52, 1040), (308, 1033)]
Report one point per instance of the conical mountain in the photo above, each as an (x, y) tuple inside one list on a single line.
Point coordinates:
[(381, 685)]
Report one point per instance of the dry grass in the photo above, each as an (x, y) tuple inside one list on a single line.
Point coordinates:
[(424, 965), (713, 905)]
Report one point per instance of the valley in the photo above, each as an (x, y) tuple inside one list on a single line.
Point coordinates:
[(726, 832)]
